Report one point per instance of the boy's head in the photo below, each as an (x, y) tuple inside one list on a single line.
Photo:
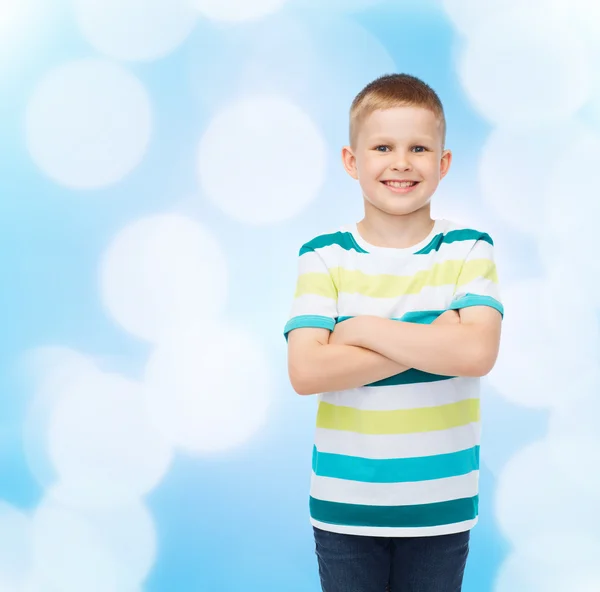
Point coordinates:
[(397, 137)]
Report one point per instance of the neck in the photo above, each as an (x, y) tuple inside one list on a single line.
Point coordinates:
[(395, 231)]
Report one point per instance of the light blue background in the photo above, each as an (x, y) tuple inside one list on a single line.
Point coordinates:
[(237, 519)]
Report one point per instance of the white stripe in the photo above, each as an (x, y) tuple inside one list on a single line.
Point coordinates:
[(313, 304), (397, 532), (311, 262), (481, 287), (429, 298), (375, 264), (394, 494), (481, 250), (406, 396), (398, 445)]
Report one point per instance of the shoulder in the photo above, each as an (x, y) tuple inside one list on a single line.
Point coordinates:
[(332, 241), (456, 238), (466, 233)]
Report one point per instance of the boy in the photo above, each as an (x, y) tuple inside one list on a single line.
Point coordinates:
[(394, 320)]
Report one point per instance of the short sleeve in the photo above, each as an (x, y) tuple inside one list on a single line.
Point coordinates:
[(315, 300), (477, 283)]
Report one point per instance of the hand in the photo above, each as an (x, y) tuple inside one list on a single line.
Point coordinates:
[(450, 317)]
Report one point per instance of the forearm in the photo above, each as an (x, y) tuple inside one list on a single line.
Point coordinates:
[(332, 367), (450, 350)]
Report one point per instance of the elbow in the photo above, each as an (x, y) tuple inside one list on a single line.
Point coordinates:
[(300, 384), (300, 388), (303, 389), (479, 363)]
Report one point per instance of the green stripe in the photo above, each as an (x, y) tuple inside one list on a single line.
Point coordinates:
[(341, 239), (398, 421), (413, 516), (354, 281), (314, 321), (453, 236), (476, 300), (319, 284), (395, 470)]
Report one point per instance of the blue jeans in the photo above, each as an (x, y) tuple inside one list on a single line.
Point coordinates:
[(351, 563)]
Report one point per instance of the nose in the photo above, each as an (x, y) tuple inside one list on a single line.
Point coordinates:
[(401, 162)]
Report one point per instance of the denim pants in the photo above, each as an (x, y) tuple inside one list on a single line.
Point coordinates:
[(351, 563)]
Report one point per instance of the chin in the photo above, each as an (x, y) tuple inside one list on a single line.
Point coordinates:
[(399, 209)]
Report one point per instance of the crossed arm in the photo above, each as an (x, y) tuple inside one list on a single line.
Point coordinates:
[(366, 349)]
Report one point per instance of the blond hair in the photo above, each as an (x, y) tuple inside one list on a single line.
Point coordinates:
[(394, 90)]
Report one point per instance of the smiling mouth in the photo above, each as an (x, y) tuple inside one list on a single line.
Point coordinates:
[(400, 184)]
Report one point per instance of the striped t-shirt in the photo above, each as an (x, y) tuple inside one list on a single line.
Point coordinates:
[(399, 457)]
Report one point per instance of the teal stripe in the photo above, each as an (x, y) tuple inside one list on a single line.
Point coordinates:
[(395, 470), (411, 376), (453, 236), (342, 239), (477, 300), (414, 516), (423, 317), (315, 321), (342, 319)]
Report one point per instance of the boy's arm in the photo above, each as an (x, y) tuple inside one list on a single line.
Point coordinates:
[(469, 348), (317, 366)]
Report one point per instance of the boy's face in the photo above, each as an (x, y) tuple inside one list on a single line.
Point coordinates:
[(398, 159)]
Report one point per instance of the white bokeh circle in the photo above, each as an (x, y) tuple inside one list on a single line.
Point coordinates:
[(570, 197), (237, 10), (534, 496), (95, 550), (209, 390), (11, 12), (341, 6), (262, 160), (104, 448), (161, 273), (135, 29), (36, 582), (55, 371), (552, 562), (344, 41), (584, 16), (515, 83), (469, 15), (545, 354), (574, 442), (570, 261), (15, 547), (271, 56), (88, 123), (516, 167)]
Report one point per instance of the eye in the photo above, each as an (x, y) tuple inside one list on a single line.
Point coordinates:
[(419, 149), (382, 148)]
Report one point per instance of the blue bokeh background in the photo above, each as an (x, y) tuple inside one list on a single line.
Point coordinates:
[(234, 517)]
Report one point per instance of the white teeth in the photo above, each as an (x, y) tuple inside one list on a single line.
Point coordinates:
[(400, 183)]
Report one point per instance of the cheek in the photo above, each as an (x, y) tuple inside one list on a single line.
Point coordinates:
[(372, 168), (433, 170)]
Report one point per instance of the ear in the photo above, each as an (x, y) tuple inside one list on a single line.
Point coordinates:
[(349, 161), (445, 162)]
